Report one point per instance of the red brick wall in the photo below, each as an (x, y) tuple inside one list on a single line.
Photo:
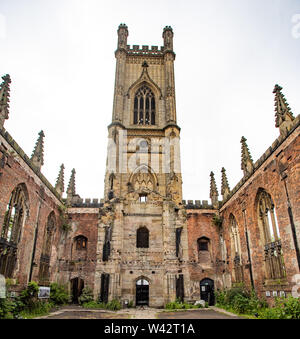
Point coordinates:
[(200, 225), (268, 177), (74, 263), (14, 172)]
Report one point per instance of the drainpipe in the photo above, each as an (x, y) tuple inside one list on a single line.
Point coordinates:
[(290, 213), (248, 250), (35, 240)]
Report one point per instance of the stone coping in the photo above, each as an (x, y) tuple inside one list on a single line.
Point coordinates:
[(9, 139)]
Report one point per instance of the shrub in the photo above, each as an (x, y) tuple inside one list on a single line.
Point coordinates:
[(285, 308), (113, 305), (29, 295), (240, 300), (239, 291), (59, 294), (7, 309), (130, 304), (86, 296), (220, 297), (240, 303)]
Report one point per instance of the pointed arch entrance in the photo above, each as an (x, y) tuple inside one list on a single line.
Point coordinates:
[(142, 292), (207, 291), (77, 285)]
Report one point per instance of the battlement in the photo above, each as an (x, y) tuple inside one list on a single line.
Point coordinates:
[(87, 203), (145, 50), (191, 205)]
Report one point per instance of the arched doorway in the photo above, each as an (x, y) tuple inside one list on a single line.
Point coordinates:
[(77, 286), (207, 291), (142, 292)]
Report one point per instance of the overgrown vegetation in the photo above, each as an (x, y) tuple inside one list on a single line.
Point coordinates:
[(113, 305), (217, 221), (27, 305), (178, 305), (59, 294), (65, 225), (86, 296), (239, 300)]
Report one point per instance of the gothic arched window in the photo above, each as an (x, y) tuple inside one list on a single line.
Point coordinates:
[(11, 230), (267, 220), (81, 243), (44, 271), (203, 244), (236, 250), (144, 107), (142, 238), (236, 247), (203, 247), (268, 217)]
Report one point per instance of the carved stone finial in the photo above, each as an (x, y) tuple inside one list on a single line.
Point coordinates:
[(225, 191), (283, 114), (71, 191), (38, 153), (60, 186), (214, 191), (4, 99), (247, 162)]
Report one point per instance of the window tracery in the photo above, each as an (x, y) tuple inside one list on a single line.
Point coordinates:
[(274, 263), (144, 107), (11, 231), (236, 250)]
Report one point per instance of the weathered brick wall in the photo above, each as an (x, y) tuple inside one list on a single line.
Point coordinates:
[(41, 202), (200, 225), (285, 159), (73, 263)]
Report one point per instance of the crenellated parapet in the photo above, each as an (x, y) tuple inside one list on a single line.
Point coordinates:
[(87, 203), (197, 204), (145, 50)]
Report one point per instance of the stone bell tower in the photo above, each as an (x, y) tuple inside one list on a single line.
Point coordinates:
[(142, 240)]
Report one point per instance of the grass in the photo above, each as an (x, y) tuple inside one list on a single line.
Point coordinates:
[(231, 310), (46, 309)]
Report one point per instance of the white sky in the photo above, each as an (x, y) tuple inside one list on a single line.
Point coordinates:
[(230, 54)]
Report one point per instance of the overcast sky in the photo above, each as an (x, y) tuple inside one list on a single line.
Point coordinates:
[(229, 56)]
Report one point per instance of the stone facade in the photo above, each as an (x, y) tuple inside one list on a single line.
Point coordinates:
[(142, 242)]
